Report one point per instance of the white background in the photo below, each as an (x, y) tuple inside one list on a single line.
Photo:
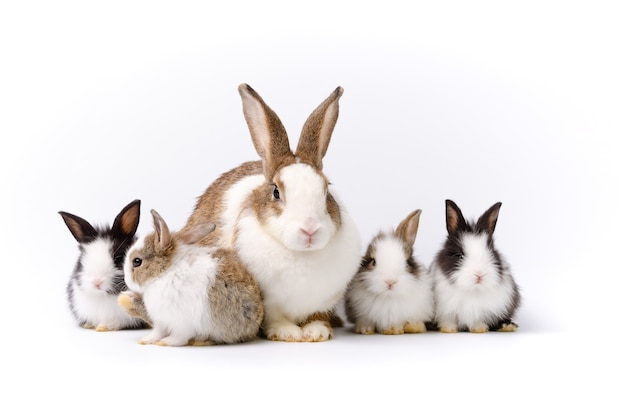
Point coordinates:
[(102, 103)]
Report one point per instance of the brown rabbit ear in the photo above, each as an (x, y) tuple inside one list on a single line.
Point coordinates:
[(267, 131), (407, 229), (197, 233), (163, 237), (127, 220), (318, 129), (454, 218), (489, 218)]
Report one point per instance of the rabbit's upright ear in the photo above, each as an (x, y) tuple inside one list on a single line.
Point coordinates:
[(163, 239), (487, 222), (407, 229), (318, 129), (127, 220), (455, 221), (267, 131)]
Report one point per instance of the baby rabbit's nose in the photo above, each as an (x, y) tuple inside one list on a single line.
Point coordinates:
[(390, 283)]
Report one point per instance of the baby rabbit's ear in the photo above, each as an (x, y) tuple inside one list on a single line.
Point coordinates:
[(407, 229), (195, 234), (163, 238), (455, 221), (487, 222), (127, 220), (80, 228)]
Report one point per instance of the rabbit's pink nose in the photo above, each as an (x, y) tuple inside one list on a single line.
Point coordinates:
[(310, 226), (309, 235), (97, 283), (309, 232), (390, 283), (479, 277)]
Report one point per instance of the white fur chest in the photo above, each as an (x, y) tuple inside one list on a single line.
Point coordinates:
[(295, 283), (299, 283), (469, 306), (179, 296)]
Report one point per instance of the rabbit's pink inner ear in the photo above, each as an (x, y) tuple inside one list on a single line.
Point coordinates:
[(454, 218), (318, 129), (128, 219), (489, 218), (407, 229), (164, 237), (266, 130)]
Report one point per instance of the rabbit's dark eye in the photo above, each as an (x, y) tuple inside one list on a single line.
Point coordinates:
[(373, 262), (458, 256), (137, 262), (276, 193)]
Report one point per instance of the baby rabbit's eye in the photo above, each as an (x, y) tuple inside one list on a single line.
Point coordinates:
[(276, 193), (137, 262), (373, 262), (458, 256)]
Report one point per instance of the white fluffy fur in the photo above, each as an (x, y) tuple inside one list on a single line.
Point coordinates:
[(298, 276), (461, 302), (177, 300), (388, 296), (91, 300)]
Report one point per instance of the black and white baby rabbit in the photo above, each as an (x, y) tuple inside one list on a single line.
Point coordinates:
[(474, 287), (392, 291), (98, 275)]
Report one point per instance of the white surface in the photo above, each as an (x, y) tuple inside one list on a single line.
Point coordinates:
[(478, 102)]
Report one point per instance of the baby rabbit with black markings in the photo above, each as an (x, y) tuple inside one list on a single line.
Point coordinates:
[(392, 291), (474, 287), (98, 275)]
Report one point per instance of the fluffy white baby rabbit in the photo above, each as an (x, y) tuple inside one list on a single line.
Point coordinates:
[(192, 294), (474, 287), (392, 292), (286, 223)]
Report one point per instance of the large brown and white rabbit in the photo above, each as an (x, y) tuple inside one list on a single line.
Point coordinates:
[(474, 287), (392, 292), (190, 293), (286, 223)]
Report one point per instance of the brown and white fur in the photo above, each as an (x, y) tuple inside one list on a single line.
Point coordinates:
[(474, 287), (392, 292), (286, 224), (192, 294)]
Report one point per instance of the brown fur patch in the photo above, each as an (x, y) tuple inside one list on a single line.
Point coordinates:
[(236, 298), (330, 317), (211, 203), (154, 262)]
